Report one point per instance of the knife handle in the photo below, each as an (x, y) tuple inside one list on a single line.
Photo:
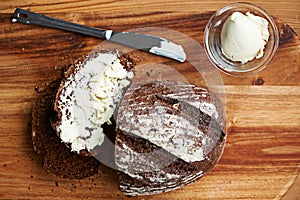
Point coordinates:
[(28, 17)]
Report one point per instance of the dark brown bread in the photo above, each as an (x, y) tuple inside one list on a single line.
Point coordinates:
[(57, 157), (149, 168), (146, 168), (64, 98)]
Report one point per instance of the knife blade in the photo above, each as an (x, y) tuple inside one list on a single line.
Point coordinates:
[(144, 42)]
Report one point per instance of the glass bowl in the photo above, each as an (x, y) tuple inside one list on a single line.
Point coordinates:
[(212, 41)]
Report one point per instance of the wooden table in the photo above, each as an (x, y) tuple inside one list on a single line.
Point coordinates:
[(262, 156)]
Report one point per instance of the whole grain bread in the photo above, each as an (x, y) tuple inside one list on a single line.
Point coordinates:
[(146, 166), (157, 122)]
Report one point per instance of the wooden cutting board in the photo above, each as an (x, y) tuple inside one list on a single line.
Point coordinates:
[(262, 156)]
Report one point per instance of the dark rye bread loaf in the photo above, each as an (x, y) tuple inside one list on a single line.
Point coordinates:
[(168, 135), (147, 165), (56, 156)]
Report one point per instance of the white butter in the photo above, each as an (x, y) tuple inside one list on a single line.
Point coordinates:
[(88, 100), (169, 49), (243, 37)]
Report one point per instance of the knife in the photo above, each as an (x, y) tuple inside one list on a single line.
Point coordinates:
[(145, 42)]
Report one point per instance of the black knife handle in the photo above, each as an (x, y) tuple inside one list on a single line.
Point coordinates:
[(28, 17)]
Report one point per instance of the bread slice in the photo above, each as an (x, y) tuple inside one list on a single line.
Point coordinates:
[(168, 135), (87, 98), (56, 156)]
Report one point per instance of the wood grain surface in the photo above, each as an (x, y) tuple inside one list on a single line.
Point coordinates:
[(262, 155)]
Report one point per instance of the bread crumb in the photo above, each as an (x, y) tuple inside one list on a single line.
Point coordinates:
[(37, 89), (258, 81)]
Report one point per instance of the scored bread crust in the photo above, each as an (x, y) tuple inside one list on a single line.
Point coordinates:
[(149, 168)]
